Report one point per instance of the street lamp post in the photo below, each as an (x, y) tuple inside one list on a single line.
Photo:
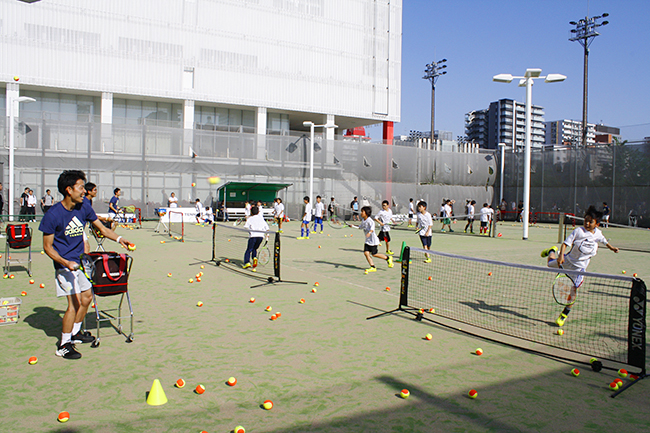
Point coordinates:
[(584, 33), (311, 126), (502, 146), (13, 102), (527, 81), (432, 71)]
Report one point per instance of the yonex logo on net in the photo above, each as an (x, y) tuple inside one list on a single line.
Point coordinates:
[(74, 228)]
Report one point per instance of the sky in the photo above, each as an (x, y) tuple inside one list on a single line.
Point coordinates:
[(481, 38)]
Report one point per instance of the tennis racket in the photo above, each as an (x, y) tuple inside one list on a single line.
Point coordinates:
[(564, 289), (264, 254), (397, 222), (337, 222), (88, 267), (239, 222)]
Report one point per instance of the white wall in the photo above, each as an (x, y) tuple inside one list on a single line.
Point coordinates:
[(340, 57)]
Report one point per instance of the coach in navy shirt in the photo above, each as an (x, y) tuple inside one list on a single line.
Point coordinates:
[(63, 229)]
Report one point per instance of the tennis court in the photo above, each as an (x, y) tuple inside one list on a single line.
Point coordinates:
[(325, 367)]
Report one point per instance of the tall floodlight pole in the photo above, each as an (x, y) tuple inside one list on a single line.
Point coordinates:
[(432, 71), (13, 104), (527, 82), (584, 33), (311, 127)]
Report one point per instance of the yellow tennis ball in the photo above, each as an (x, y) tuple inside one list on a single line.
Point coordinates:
[(479, 351), (214, 180), (199, 304), (268, 404), (239, 429), (428, 336), (560, 332), (405, 393), (190, 280)]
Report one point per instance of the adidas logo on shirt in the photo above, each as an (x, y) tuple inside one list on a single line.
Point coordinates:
[(74, 228)]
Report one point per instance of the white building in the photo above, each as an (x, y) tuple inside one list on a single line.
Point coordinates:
[(261, 66), (568, 132)]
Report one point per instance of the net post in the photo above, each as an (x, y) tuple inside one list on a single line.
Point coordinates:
[(637, 325), (560, 229), (276, 255), (404, 285), (214, 239)]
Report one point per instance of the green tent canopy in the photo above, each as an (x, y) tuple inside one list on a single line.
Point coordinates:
[(239, 192)]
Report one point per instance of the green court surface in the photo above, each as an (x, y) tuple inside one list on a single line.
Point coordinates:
[(325, 367)]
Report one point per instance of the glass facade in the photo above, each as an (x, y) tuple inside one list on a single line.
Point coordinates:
[(136, 112), (63, 107), (224, 119)]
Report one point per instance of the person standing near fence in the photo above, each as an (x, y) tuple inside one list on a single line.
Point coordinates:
[(47, 201), (605, 215), (354, 205), (63, 228), (331, 208), (172, 201), (31, 206), (2, 205), (23, 205), (114, 204)]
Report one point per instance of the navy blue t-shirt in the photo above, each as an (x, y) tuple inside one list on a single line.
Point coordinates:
[(115, 200), (67, 226)]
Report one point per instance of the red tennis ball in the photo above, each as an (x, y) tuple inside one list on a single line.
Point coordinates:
[(472, 393)]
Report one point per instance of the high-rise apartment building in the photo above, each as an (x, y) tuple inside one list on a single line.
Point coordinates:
[(505, 122), (568, 132)]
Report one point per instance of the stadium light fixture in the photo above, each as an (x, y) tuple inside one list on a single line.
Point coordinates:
[(309, 124), (13, 103), (585, 32), (527, 81), (432, 72)]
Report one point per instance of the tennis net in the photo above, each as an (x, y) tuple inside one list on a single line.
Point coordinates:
[(176, 225), (229, 245), (607, 320), (628, 238)]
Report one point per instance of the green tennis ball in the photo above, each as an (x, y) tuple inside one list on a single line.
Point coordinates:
[(575, 372)]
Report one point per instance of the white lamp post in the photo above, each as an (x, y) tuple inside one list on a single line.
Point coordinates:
[(502, 146), (13, 102), (527, 81), (311, 126)]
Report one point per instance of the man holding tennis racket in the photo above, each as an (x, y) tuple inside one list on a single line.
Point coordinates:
[(583, 244), (256, 226), (63, 229)]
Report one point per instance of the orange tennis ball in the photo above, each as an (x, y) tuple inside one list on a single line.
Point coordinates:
[(313, 290), (42, 286), (622, 372), (12, 276), (388, 289), (319, 246), (232, 381), (252, 300), (302, 300), (193, 184), (130, 247), (31, 281), (489, 274), (239, 429), (169, 274), (613, 386), (404, 393), (634, 275), (199, 304), (180, 383), (198, 279), (23, 293), (162, 242), (479, 351), (316, 284), (190, 280), (32, 360), (202, 267), (268, 404), (274, 317), (432, 310), (200, 389), (268, 308), (575, 372), (278, 314), (472, 393), (428, 337), (430, 278), (63, 416)]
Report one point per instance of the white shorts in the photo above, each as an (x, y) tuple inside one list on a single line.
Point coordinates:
[(71, 282), (568, 266)]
